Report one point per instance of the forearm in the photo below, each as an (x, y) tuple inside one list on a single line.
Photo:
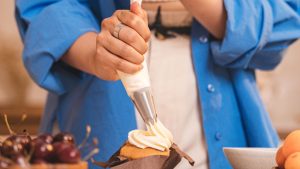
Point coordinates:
[(210, 13), (80, 53)]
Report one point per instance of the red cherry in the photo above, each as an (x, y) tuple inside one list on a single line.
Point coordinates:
[(47, 138), (10, 149), (22, 139), (42, 150), (64, 137), (66, 153)]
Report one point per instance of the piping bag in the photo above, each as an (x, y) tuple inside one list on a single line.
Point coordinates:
[(138, 89)]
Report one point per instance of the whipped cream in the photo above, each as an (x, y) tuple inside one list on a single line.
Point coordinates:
[(157, 137)]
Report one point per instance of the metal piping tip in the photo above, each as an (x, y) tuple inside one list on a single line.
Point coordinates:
[(143, 100)]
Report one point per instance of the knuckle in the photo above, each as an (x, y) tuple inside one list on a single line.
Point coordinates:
[(101, 39), (147, 35), (122, 15), (145, 49), (134, 21), (140, 59), (105, 22)]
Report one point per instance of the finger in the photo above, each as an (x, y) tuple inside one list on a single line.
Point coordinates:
[(137, 9), (135, 22), (132, 38), (121, 49), (126, 34), (117, 63)]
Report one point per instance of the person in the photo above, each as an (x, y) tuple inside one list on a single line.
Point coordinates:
[(203, 81)]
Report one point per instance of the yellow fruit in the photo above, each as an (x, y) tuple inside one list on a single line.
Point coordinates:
[(291, 144), (280, 158), (293, 161)]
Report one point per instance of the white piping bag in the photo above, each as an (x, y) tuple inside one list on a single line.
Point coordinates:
[(138, 89)]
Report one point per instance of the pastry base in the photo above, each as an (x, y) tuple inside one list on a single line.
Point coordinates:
[(132, 152)]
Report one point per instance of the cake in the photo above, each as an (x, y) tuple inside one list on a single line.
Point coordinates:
[(132, 152), (151, 149)]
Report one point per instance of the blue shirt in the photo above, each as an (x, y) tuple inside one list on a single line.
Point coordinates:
[(257, 33)]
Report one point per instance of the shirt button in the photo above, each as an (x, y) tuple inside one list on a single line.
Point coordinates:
[(218, 136), (203, 39), (210, 88)]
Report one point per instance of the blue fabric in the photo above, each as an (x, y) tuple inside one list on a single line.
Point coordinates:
[(257, 33)]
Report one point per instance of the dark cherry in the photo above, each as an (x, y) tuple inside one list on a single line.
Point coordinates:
[(41, 150), (64, 137), (23, 139), (5, 163), (10, 149), (47, 138), (66, 153)]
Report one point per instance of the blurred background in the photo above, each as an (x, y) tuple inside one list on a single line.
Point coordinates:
[(18, 94)]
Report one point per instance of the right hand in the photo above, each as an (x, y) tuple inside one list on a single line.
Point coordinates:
[(126, 53)]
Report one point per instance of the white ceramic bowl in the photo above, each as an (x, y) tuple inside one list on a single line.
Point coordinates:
[(251, 158)]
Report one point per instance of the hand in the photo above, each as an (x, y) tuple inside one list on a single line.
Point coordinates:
[(125, 53)]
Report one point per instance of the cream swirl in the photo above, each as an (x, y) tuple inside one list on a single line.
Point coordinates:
[(157, 136)]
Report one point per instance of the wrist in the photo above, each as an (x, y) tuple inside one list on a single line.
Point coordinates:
[(80, 55)]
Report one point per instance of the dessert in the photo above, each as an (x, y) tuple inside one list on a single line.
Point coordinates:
[(132, 152), (150, 149), (44, 151), (288, 155)]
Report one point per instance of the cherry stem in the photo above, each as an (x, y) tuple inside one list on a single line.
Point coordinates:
[(91, 154), (88, 132), (7, 125), (24, 117)]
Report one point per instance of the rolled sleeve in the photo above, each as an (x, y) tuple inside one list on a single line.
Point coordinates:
[(257, 33), (51, 28)]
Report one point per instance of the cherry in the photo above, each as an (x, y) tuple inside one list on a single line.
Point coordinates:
[(41, 150), (64, 137), (10, 149), (66, 153), (22, 139), (47, 138)]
